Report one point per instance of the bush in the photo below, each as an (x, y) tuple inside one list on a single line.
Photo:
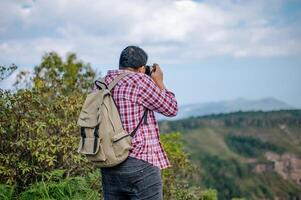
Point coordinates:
[(55, 185), (38, 131), (210, 194), (177, 179)]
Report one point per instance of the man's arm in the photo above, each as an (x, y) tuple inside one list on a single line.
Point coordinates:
[(154, 96)]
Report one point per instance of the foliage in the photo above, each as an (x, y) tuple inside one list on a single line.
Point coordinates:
[(7, 71), (210, 194), (291, 118), (177, 178), (59, 188), (54, 184), (271, 185), (39, 138), (230, 170), (180, 125), (38, 131), (215, 169), (63, 78), (6, 191), (250, 146)]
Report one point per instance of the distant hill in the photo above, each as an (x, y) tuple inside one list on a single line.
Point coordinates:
[(254, 154), (239, 104)]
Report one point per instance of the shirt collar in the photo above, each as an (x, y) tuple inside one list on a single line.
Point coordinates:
[(118, 71)]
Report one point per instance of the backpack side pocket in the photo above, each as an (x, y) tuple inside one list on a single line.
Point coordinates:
[(91, 144), (121, 143)]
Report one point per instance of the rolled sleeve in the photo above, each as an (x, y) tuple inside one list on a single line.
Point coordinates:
[(153, 98)]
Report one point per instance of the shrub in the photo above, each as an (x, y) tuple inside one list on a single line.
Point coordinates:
[(177, 179), (38, 131)]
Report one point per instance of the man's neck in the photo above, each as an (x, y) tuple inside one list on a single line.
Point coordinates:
[(129, 69)]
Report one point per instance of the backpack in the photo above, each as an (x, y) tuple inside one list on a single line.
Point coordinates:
[(103, 140)]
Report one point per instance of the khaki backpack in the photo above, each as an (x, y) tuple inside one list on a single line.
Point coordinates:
[(103, 140)]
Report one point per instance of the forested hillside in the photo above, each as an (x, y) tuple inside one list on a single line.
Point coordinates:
[(256, 155)]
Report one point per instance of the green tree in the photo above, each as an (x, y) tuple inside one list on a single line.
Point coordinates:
[(62, 78), (38, 131), (7, 71)]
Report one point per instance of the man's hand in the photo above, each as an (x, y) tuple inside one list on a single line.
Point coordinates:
[(157, 76)]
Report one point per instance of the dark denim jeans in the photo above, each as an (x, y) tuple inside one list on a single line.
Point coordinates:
[(133, 179)]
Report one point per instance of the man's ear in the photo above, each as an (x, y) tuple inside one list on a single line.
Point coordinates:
[(141, 69)]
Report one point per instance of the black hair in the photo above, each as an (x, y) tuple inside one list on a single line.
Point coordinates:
[(132, 56)]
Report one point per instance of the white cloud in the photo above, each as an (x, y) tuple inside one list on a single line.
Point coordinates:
[(171, 31)]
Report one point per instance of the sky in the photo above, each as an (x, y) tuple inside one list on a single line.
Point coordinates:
[(209, 50)]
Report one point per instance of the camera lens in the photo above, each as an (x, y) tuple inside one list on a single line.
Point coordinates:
[(148, 70)]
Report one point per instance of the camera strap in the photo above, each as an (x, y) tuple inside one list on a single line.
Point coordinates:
[(145, 122)]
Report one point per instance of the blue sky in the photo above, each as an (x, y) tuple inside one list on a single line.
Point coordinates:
[(209, 50)]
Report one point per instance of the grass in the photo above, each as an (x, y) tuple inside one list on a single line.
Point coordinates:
[(268, 185), (208, 140), (56, 187), (6, 192)]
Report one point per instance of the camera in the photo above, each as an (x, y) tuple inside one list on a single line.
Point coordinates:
[(150, 69)]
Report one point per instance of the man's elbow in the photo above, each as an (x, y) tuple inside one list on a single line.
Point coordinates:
[(172, 112)]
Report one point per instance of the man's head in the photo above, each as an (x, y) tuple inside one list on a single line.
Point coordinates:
[(132, 57)]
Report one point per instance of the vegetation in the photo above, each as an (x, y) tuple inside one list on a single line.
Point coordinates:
[(176, 180), (59, 188), (250, 146), (258, 119), (218, 173), (38, 131), (39, 138), (227, 147), (7, 71)]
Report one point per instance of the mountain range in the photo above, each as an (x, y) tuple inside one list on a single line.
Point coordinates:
[(239, 104)]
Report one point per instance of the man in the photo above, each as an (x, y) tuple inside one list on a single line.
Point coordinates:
[(139, 176)]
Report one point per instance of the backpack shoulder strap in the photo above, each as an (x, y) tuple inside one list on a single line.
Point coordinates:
[(118, 78), (111, 86), (100, 84)]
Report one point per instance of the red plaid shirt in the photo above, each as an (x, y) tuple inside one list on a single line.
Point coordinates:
[(133, 94)]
